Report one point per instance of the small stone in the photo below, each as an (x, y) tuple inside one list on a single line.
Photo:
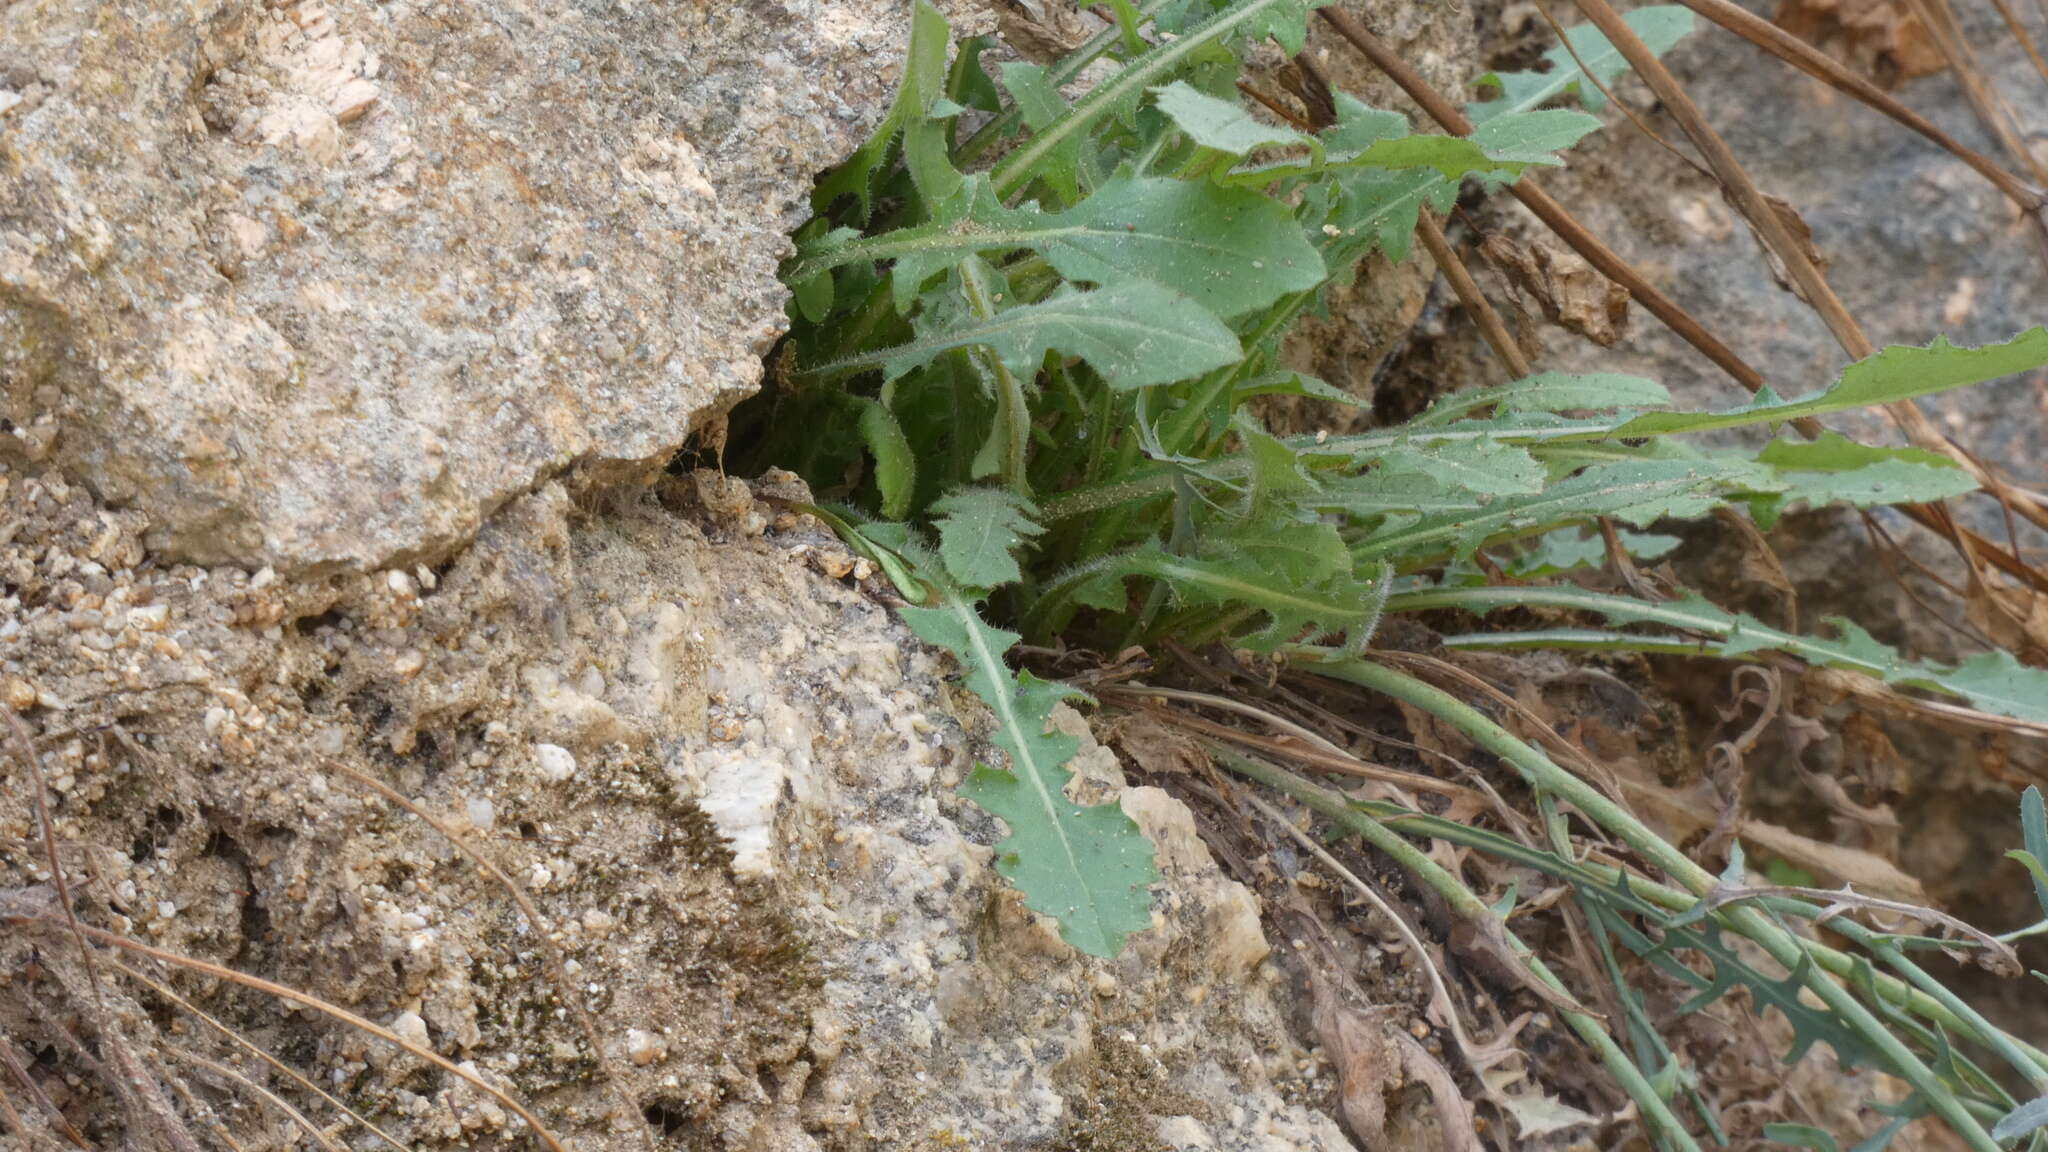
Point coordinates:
[(644, 1048), (556, 763), (411, 1028), (18, 694), (353, 99), (481, 812), (408, 663)]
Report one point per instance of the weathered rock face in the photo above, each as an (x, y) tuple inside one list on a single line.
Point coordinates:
[(725, 782), (322, 283)]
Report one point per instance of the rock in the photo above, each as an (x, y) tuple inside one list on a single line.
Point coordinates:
[(322, 283), (785, 924)]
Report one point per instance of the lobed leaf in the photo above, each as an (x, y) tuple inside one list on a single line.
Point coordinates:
[(1089, 867), (980, 530)]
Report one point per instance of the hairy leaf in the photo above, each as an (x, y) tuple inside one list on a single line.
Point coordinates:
[(1293, 578), (2034, 831), (1228, 249), (1834, 452), (1551, 392), (1377, 493), (1384, 207), (1566, 550), (1636, 492), (1883, 482), (924, 81), (1286, 20), (895, 460), (1485, 467), (1087, 867), (980, 530), (1532, 137), (1134, 334), (1039, 101), (1288, 383), (1359, 126), (2024, 1120)]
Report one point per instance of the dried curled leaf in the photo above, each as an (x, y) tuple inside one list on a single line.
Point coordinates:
[(1570, 292)]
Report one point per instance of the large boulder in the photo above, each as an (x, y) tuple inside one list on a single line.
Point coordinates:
[(322, 283)]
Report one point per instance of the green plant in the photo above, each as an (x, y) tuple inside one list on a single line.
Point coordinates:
[(1029, 392)]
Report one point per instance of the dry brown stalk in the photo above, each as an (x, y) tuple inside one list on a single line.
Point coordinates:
[(565, 988), (256, 1050), (1829, 71), (260, 1092), (1475, 302), (306, 1000)]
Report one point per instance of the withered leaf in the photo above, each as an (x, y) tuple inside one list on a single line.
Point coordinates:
[(1570, 292)]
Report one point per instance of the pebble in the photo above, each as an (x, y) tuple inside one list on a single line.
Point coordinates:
[(644, 1048), (556, 763), (409, 1026)]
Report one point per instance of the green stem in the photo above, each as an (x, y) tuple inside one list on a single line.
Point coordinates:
[(1544, 775), (1469, 906), (1017, 169), (1058, 76), (1673, 614), (1013, 409), (1609, 878)]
